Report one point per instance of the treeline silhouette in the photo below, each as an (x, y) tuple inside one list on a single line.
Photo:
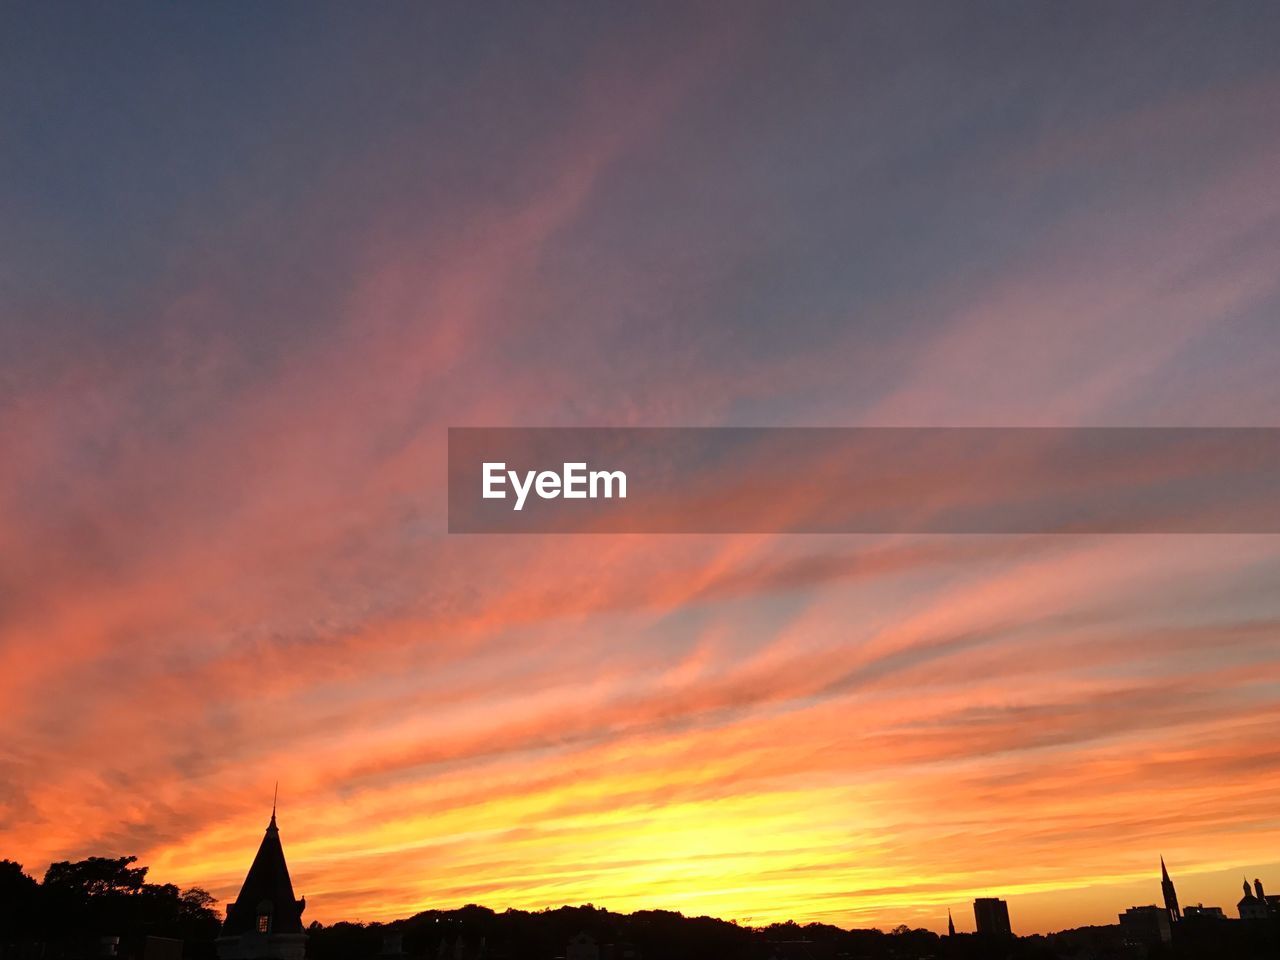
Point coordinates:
[(64, 914), (85, 899), (473, 931), (478, 933)]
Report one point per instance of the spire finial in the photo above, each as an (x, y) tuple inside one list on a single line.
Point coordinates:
[(275, 795)]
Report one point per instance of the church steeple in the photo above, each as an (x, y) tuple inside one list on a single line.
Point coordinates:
[(1170, 894), (951, 924), (265, 919)]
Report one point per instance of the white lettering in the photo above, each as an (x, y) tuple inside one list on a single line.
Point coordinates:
[(609, 477), (548, 485), (573, 482), (493, 476), (521, 491)]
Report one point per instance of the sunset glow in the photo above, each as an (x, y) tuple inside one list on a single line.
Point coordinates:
[(238, 315)]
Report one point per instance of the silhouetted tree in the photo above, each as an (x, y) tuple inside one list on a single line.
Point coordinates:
[(97, 896), (96, 876), (19, 901)]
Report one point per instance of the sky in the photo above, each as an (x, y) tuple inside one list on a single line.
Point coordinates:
[(255, 260)]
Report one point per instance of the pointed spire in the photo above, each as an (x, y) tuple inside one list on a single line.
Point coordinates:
[(275, 795), (267, 893), (951, 924), (1170, 894)]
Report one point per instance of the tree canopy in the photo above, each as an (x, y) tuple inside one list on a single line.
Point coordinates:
[(99, 896)]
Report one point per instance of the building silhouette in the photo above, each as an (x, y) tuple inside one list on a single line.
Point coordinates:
[(1170, 895), (265, 921), (582, 947), (991, 917), (1257, 904), (1146, 926), (1200, 912)]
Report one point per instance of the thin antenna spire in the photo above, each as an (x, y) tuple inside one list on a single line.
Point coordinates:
[(275, 795)]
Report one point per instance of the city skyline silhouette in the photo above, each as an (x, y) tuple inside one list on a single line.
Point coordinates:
[(264, 902), (108, 907)]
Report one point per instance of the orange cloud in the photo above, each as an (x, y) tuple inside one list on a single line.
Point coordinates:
[(220, 570)]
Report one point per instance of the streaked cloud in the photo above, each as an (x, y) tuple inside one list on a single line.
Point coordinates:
[(222, 550)]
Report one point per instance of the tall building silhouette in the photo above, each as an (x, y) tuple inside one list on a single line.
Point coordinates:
[(991, 917), (1146, 926), (1170, 894), (265, 921)]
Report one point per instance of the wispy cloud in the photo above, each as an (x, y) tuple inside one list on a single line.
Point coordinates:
[(222, 549)]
